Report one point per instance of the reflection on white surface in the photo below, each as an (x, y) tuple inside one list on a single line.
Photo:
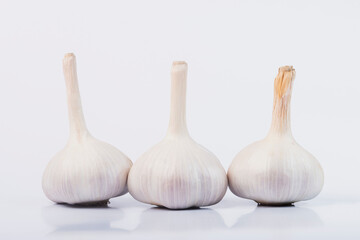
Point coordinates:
[(279, 218), (161, 219), (65, 218), (232, 218)]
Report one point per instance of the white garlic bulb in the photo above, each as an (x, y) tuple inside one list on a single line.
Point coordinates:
[(277, 170), (178, 173), (87, 171)]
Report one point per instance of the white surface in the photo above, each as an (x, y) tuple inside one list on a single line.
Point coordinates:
[(233, 218), (235, 48)]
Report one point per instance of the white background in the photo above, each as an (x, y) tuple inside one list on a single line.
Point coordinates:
[(124, 51)]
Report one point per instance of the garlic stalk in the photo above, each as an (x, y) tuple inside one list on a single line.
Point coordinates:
[(277, 170), (87, 171), (178, 173)]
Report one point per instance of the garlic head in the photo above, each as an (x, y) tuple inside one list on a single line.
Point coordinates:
[(178, 173), (87, 171), (277, 170)]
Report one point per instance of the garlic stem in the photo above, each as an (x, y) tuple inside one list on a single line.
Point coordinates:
[(280, 124), (177, 122), (76, 117)]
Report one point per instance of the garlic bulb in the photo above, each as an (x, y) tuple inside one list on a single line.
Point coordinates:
[(87, 171), (277, 170), (178, 173)]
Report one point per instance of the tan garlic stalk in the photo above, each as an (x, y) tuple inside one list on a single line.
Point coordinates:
[(178, 173), (277, 170), (87, 171)]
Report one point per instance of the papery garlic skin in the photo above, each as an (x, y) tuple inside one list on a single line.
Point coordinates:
[(86, 171), (178, 173), (277, 170)]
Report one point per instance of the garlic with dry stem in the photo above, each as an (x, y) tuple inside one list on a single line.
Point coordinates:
[(87, 171), (277, 170), (178, 173)]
